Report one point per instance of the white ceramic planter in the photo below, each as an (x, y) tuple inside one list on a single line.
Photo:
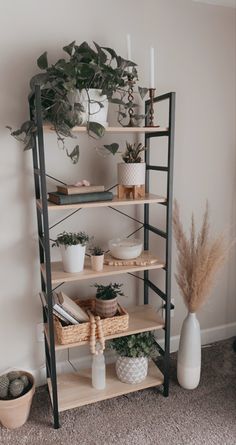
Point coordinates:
[(93, 112), (131, 370), (14, 413), (97, 262), (189, 354), (131, 174), (73, 258)]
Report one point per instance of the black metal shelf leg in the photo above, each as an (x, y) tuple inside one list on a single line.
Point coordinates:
[(42, 176)]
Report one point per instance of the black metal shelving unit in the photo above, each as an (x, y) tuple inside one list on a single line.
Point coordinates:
[(40, 176)]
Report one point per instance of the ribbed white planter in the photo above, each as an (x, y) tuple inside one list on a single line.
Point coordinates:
[(131, 369), (93, 112), (73, 258), (189, 354), (131, 174), (97, 262)]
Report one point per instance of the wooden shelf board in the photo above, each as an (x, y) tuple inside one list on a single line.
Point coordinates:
[(142, 318), (148, 199), (49, 127), (75, 389), (59, 276)]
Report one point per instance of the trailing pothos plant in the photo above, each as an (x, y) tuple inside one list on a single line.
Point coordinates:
[(82, 68)]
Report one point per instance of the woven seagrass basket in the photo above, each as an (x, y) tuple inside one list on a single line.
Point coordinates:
[(81, 332)]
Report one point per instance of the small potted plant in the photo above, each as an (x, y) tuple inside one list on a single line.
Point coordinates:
[(132, 171), (72, 246), (97, 258), (16, 393), (106, 299), (133, 353)]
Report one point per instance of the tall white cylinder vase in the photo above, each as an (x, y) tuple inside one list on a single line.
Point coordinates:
[(189, 354)]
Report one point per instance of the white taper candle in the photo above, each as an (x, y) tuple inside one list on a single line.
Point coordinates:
[(128, 40), (152, 68)]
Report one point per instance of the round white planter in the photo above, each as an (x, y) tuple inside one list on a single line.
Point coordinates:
[(131, 174), (73, 258), (97, 262), (189, 354), (131, 370), (93, 112)]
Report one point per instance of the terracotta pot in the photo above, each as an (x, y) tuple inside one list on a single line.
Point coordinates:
[(15, 412), (106, 308), (97, 262)]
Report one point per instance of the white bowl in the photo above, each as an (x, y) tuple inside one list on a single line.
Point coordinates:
[(126, 248)]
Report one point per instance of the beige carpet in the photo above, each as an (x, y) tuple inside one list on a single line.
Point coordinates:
[(206, 415)]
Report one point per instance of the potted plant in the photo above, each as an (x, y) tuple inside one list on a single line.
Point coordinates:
[(199, 257), (133, 353), (72, 246), (132, 171), (106, 299), (97, 258), (16, 393), (76, 89)]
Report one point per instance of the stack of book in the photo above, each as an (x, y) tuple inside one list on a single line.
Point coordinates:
[(66, 309), (71, 194)]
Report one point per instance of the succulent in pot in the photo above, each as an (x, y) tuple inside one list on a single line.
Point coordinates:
[(16, 393), (133, 353), (97, 258), (132, 171), (72, 247), (106, 299)]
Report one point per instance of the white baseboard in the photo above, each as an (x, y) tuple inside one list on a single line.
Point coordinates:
[(208, 336)]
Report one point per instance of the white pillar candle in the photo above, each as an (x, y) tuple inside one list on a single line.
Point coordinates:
[(152, 69)]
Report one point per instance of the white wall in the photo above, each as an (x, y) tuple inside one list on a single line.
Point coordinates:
[(196, 58)]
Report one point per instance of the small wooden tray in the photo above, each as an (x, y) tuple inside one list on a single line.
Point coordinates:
[(145, 259)]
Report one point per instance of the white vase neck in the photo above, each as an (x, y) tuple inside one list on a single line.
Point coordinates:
[(192, 314)]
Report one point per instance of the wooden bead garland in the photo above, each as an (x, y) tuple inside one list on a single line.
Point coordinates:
[(96, 322)]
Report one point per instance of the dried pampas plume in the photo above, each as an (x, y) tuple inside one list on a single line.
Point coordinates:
[(199, 258)]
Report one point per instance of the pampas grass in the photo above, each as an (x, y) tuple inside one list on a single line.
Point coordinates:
[(199, 258)]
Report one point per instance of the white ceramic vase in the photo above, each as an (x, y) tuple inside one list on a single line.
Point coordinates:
[(73, 258), (189, 354), (131, 173), (131, 369), (89, 99)]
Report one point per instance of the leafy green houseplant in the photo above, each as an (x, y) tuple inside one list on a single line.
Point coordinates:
[(72, 247), (16, 393), (133, 353), (83, 68), (106, 299), (133, 170), (97, 258)]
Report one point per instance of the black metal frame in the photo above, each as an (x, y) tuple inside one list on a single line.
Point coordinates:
[(44, 238)]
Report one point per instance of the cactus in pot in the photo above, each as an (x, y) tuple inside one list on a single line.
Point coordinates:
[(16, 393)]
